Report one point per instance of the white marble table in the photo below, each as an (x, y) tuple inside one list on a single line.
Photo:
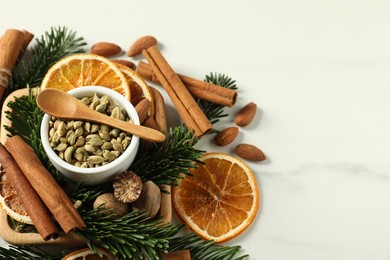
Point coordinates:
[(319, 72)]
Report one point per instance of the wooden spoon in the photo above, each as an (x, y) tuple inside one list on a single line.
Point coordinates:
[(63, 105)]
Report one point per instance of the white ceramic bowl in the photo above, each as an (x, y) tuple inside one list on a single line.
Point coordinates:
[(101, 174)]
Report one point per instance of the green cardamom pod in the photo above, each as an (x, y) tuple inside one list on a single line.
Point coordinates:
[(80, 141), (68, 154), (95, 159), (61, 147)]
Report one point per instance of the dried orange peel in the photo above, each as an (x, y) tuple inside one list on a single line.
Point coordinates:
[(138, 87), (221, 200), (88, 254), (10, 201), (79, 70)]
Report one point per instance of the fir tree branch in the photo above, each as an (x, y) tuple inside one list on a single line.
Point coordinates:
[(133, 236), (214, 111), (165, 164), (86, 194), (49, 48)]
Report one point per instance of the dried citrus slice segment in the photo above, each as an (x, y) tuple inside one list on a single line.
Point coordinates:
[(10, 202), (221, 200), (87, 254), (138, 88), (85, 70)]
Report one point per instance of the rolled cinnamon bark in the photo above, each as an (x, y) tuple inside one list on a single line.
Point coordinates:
[(160, 114), (11, 45), (201, 89), (189, 111), (27, 38), (51, 193), (35, 208), (160, 117)]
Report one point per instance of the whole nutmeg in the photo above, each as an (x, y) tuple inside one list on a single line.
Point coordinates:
[(127, 186), (149, 200), (107, 203), (226, 136)]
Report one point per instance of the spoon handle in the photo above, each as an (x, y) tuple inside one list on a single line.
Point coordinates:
[(143, 132)]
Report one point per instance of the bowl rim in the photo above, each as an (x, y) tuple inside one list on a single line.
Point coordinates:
[(90, 90)]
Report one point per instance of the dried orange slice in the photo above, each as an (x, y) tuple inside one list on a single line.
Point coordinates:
[(87, 254), (221, 200), (10, 202), (138, 88), (85, 70)]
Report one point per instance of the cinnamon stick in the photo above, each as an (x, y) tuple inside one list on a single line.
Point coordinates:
[(160, 114), (51, 193), (160, 117), (201, 89), (27, 38), (30, 200), (189, 111), (166, 204), (11, 45)]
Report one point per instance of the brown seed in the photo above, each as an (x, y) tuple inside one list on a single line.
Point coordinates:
[(249, 152), (127, 63), (245, 116), (149, 200), (108, 204), (150, 122), (142, 109), (140, 44), (105, 49), (226, 136)]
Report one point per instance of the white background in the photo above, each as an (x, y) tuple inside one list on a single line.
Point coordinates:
[(319, 73)]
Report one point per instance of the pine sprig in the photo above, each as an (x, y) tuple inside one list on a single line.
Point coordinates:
[(165, 164), (49, 48), (133, 236), (85, 194), (214, 111)]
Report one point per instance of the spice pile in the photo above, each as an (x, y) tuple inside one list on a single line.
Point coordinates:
[(135, 197), (88, 145)]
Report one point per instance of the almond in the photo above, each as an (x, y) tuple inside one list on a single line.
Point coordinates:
[(226, 136), (245, 116), (127, 63), (105, 49), (140, 44), (142, 109), (249, 152), (150, 122)]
